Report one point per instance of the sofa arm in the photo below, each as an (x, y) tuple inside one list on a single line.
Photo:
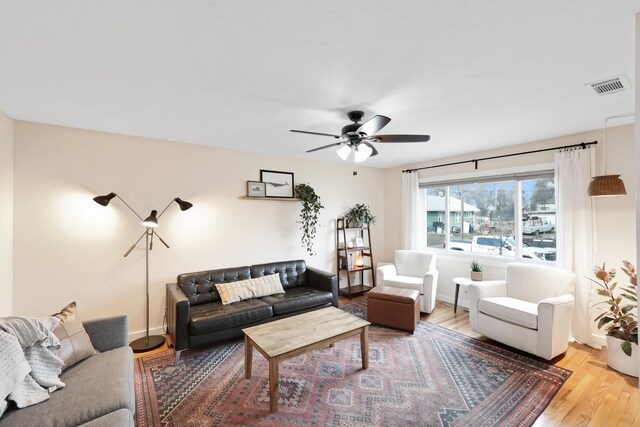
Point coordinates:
[(554, 325), (325, 281), (562, 299), (430, 282), (178, 313), (108, 333), (387, 270)]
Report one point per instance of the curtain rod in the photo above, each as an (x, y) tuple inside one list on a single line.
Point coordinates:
[(581, 145)]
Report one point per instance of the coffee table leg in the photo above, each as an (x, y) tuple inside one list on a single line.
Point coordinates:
[(274, 383), (248, 356), (364, 347)]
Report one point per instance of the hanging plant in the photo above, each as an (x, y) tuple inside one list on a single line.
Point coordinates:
[(360, 215), (308, 215)]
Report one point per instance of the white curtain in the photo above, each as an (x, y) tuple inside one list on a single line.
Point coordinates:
[(575, 238), (413, 213)]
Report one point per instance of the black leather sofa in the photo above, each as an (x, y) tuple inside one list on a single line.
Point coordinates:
[(196, 316)]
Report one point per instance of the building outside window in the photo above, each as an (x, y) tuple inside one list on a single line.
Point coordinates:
[(507, 216)]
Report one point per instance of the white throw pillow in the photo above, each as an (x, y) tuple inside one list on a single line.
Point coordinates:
[(266, 285), (234, 291)]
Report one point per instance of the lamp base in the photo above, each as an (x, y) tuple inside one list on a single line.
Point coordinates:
[(146, 343)]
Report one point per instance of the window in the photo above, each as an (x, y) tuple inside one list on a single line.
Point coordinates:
[(435, 217), (507, 216), (539, 218)]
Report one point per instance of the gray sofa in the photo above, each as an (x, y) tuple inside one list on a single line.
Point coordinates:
[(99, 391), (196, 315)]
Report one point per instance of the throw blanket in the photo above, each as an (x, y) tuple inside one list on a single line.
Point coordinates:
[(29, 364)]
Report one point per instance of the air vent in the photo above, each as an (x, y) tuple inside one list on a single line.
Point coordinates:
[(612, 85)]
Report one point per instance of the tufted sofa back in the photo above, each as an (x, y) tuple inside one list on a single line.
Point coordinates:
[(200, 287), (292, 273)]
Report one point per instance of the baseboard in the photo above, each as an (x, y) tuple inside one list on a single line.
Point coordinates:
[(451, 300), (444, 298), (139, 334)]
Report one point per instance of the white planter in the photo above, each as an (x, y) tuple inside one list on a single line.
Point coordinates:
[(476, 276), (619, 361)]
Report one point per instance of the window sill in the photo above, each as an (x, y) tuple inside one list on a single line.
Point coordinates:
[(492, 260)]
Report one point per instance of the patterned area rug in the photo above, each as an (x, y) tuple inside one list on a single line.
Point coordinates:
[(435, 377)]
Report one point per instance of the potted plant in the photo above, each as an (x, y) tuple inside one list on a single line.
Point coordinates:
[(476, 270), (360, 215), (620, 318), (309, 214)]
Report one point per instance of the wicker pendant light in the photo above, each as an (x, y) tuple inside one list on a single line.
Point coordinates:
[(607, 185)]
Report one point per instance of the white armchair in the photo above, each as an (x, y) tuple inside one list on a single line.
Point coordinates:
[(412, 270), (530, 310)]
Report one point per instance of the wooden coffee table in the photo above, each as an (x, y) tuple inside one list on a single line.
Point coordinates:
[(296, 335)]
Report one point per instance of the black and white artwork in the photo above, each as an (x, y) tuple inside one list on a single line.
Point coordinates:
[(277, 184), (255, 189)]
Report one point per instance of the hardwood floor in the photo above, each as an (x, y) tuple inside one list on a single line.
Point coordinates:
[(595, 395)]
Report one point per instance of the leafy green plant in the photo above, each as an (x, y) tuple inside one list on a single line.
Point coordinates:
[(309, 214), (475, 266), (360, 215), (620, 319)]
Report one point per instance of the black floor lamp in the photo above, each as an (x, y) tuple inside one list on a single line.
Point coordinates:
[(147, 342)]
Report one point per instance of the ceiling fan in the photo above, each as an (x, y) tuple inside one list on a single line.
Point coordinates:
[(357, 138)]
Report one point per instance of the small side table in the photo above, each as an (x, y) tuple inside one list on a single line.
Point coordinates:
[(460, 281)]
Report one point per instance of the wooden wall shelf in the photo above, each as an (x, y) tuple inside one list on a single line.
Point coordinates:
[(280, 199)]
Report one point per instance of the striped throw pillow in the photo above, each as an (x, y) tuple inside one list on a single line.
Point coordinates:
[(266, 285), (251, 288), (234, 291)]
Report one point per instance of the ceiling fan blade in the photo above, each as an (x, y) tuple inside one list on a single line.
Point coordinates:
[(374, 124), (400, 138), (325, 146), (374, 151), (314, 133)]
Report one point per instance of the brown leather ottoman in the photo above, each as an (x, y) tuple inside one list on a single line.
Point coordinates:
[(394, 307)]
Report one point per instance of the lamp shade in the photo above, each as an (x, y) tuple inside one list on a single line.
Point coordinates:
[(184, 205), (104, 200), (606, 185), (152, 220)]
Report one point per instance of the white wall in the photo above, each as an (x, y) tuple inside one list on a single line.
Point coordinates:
[(615, 221), (6, 214), (69, 248)]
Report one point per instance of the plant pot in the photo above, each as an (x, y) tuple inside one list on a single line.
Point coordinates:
[(619, 361), (476, 276)]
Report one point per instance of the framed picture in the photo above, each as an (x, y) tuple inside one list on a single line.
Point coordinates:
[(277, 184), (255, 189), (359, 241)]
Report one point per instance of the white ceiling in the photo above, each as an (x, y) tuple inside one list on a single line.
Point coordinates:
[(240, 74)]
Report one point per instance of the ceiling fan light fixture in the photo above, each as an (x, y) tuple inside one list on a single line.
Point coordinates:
[(363, 152), (343, 152), (355, 136)]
